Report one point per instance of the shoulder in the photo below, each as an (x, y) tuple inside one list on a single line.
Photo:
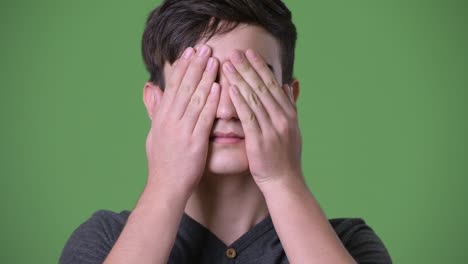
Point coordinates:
[(360, 240), (92, 240)]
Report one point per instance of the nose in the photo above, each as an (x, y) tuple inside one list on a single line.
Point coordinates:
[(226, 109)]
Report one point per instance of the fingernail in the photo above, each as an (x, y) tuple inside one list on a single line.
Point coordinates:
[(188, 53), (203, 51), (228, 66), (251, 54), (210, 64), (214, 88)]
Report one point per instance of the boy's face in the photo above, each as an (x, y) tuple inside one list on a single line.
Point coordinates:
[(228, 157)]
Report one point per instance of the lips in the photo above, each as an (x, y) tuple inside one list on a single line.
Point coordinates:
[(226, 138)]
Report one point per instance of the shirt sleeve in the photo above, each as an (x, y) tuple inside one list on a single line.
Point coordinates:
[(92, 241), (361, 241)]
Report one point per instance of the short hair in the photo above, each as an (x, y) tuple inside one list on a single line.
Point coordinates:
[(177, 24)]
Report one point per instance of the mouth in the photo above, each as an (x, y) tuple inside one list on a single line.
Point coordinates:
[(226, 138)]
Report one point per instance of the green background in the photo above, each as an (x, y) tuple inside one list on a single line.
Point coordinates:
[(382, 111)]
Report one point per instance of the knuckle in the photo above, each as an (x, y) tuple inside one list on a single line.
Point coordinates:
[(190, 112), (253, 99), (185, 88), (283, 125), (277, 110), (271, 83), (244, 67), (204, 118), (293, 116), (252, 117), (261, 87), (195, 100)]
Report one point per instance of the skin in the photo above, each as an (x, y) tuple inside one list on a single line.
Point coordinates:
[(227, 184), (213, 182)]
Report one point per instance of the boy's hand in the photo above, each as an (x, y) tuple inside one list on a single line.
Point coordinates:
[(268, 116), (177, 143)]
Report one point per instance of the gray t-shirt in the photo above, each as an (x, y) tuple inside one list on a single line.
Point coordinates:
[(92, 241)]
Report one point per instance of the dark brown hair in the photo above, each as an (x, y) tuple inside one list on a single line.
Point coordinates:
[(178, 24)]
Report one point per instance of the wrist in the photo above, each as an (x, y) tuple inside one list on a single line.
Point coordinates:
[(169, 187), (291, 183), (164, 197)]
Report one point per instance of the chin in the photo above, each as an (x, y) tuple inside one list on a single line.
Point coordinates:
[(231, 160)]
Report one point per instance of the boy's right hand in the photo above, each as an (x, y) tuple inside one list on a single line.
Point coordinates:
[(177, 143)]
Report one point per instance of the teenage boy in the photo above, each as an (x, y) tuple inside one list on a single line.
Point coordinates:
[(225, 183)]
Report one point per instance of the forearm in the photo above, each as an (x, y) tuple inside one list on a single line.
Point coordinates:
[(303, 228), (151, 228)]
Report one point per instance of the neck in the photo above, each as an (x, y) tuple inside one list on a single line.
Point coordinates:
[(227, 205)]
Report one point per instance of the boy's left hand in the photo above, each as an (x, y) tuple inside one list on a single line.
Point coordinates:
[(269, 118)]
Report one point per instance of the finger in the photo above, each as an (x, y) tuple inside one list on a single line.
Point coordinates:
[(250, 97), (246, 115), (248, 73), (206, 119), (198, 99), (173, 81), (191, 80), (270, 81)]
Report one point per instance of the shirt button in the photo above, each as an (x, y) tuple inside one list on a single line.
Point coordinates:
[(231, 253)]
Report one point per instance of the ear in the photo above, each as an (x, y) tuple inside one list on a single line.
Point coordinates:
[(152, 95), (292, 89), (295, 89)]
